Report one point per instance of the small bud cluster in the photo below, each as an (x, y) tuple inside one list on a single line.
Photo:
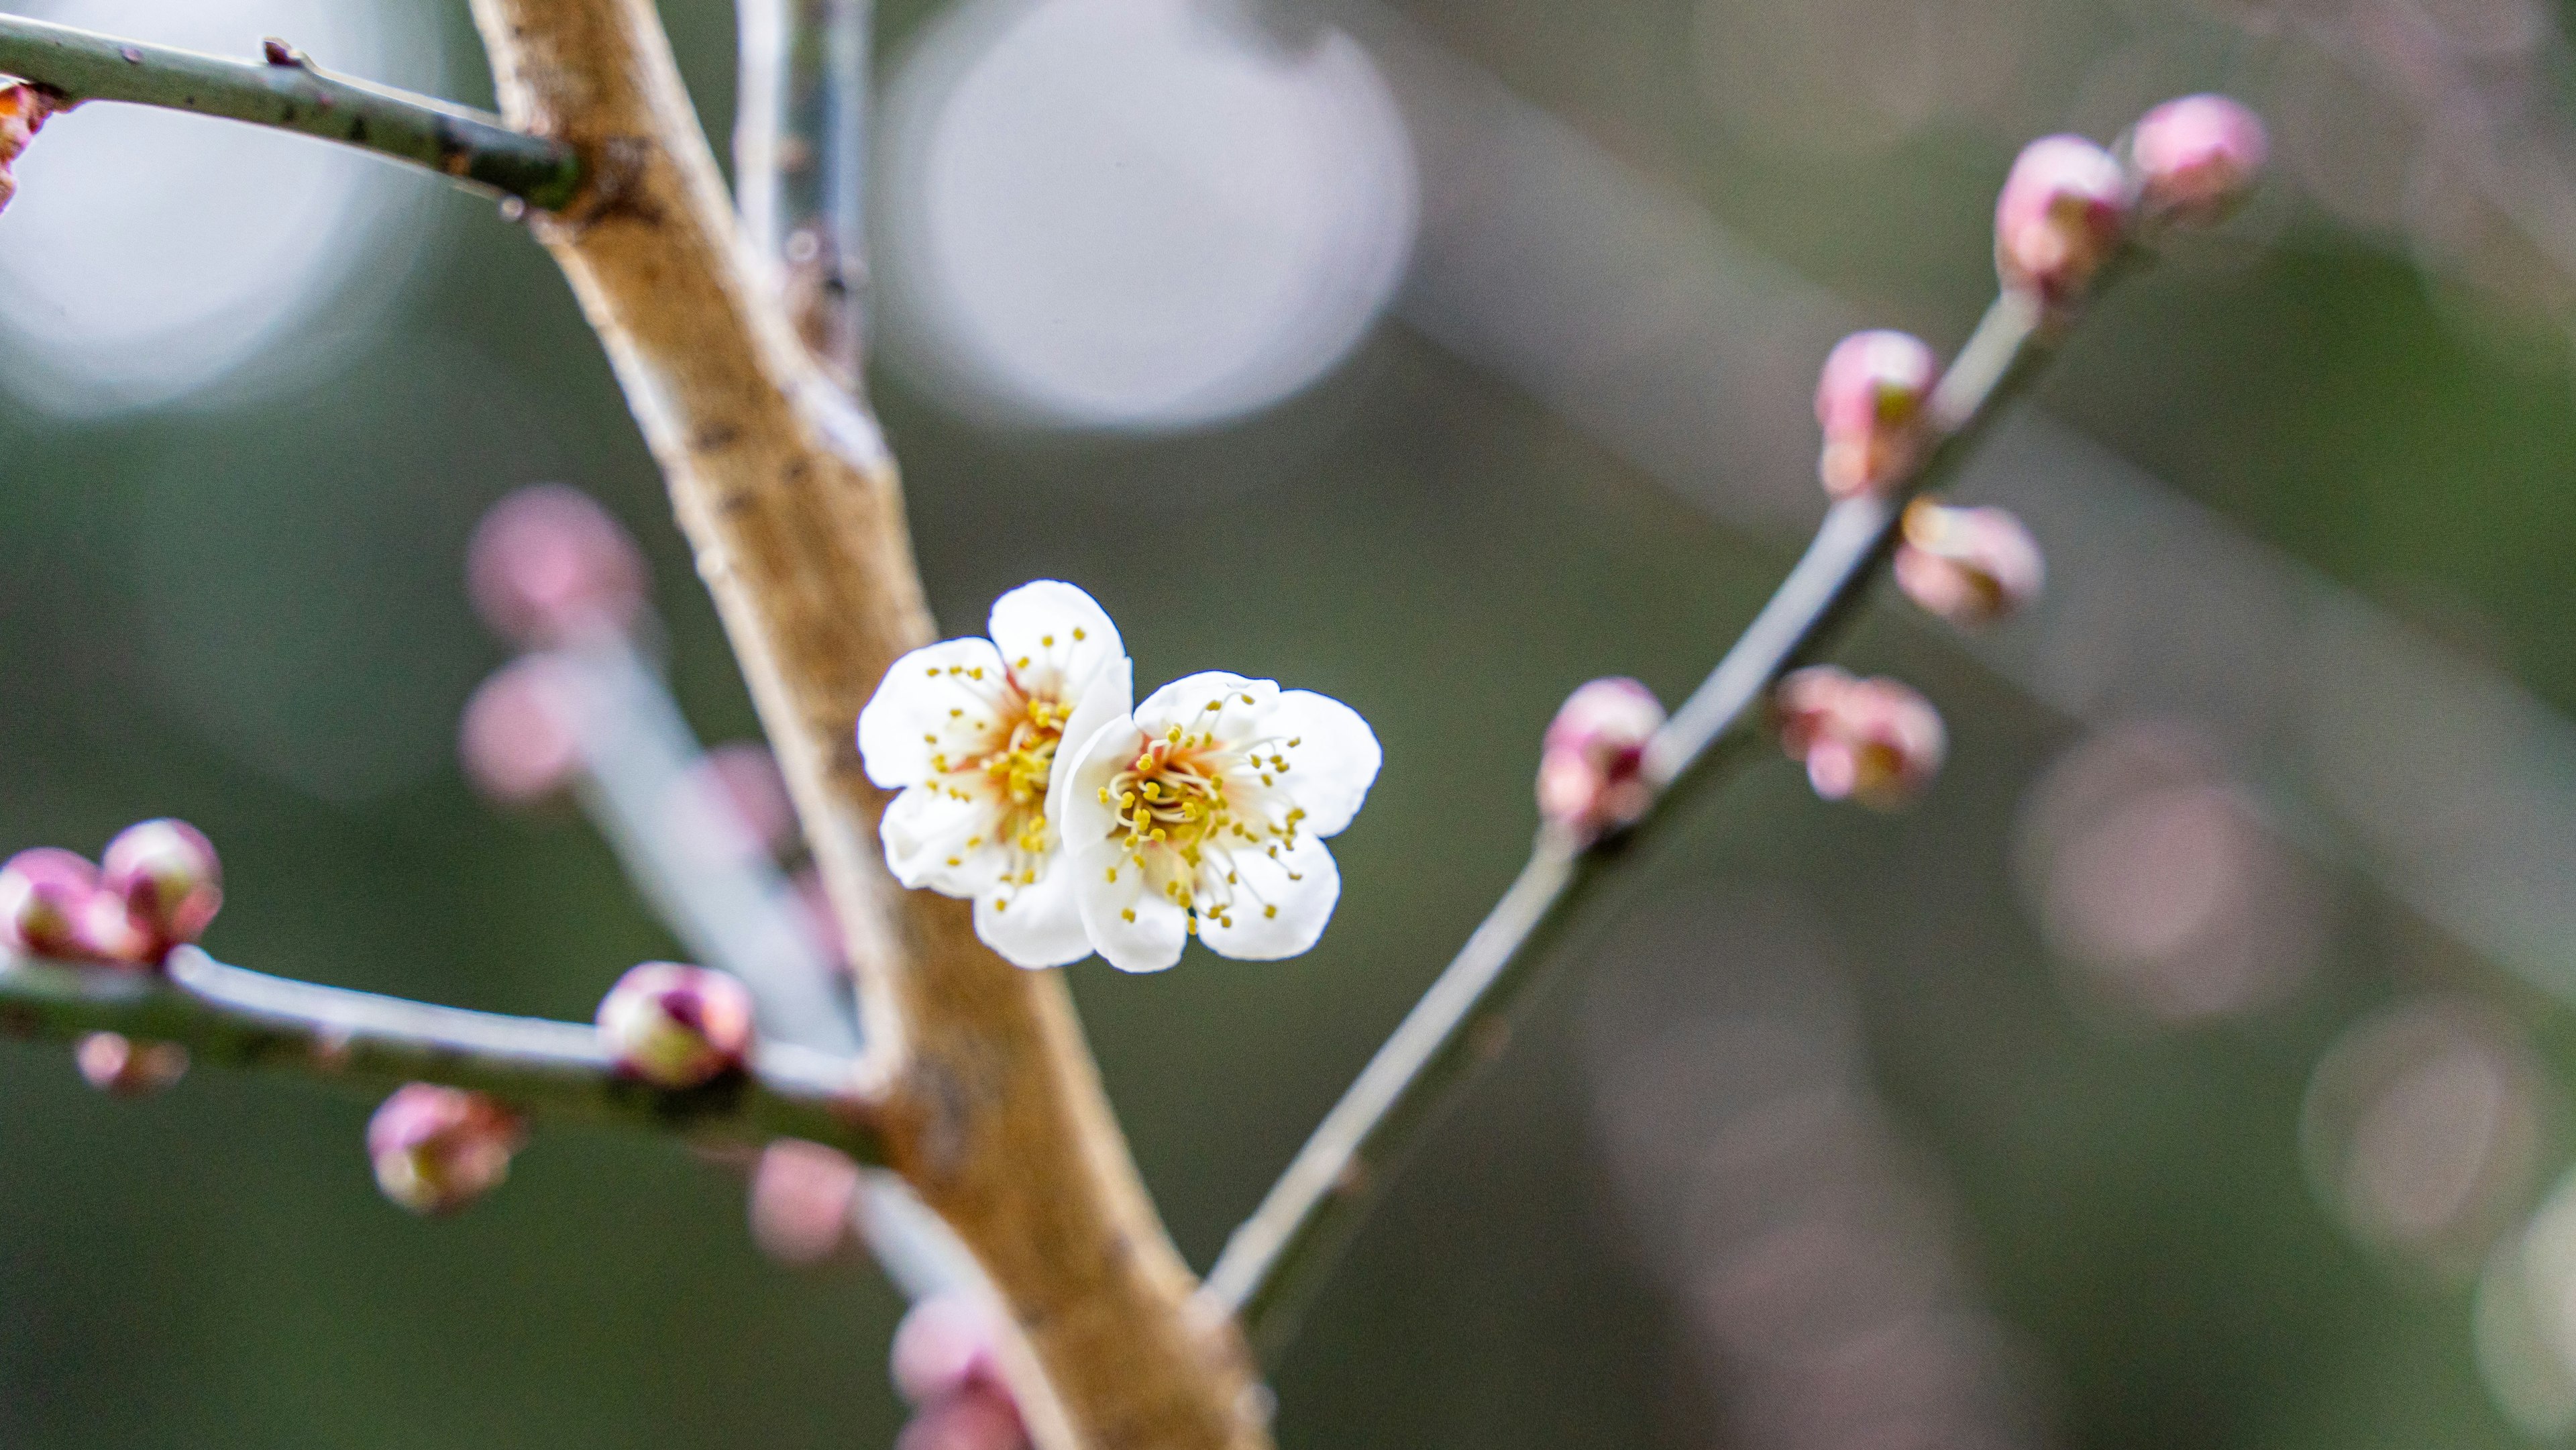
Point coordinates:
[(675, 1026), (437, 1149), (24, 110), (1970, 566), (1875, 741), (1589, 774), (2196, 159), (2064, 212), (548, 569), (156, 889), (945, 1364)]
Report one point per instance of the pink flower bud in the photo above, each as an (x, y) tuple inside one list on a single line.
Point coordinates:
[(49, 904), (116, 1064), (2196, 159), (745, 778), (1875, 741), (2061, 216), (944, 1347), (23, 112), (1589, 770), (437, 1149), (1969, 566), (548, 565), (976, 1420), (515, 742), (1869, 401), (800, 1201), (167, 878), (676, 1026)]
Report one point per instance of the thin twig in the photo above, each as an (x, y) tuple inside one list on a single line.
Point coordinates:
[(237, 1018), (1277, 1255), (800, 163), (289, 93)]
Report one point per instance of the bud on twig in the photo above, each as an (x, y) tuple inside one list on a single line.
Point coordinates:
[(1869, 401), (437, 1149), (23, 112), (48, 904), (2063, 211), (2196, 159), (1874, 741), (514, 741), (1588, 780), (113, 1063), (945, 1362), (1971, 566), (549, 566), (166, 876), (676, 1026), (800, 1201)]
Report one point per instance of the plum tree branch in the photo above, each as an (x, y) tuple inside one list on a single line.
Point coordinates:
[(289, 93), (237, 1018), (1273, 1261)]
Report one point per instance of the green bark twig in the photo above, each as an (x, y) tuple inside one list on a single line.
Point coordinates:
[(235, 1018), (287, 92), (1277, 1256)]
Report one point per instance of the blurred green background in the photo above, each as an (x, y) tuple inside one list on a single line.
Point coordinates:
[(245, 608)]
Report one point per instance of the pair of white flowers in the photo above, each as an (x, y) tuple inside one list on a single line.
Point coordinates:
[(1079, 820)]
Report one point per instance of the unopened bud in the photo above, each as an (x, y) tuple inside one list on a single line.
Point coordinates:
[(1589, 773), (676, 1026), (1870, 402), (800, 1201), (515, 740), (2061, 216), (1971, 566), (549, 566), (976, 1420), (49, 901), (2196, 159), (23, 112), (1874, 741), (945, 1346), (168, 879), (113, 1063), (437, 1149)]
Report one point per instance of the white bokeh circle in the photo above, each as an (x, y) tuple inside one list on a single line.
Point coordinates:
[(150, 254), (1136, 214)]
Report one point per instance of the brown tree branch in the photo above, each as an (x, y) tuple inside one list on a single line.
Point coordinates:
[(995, 1112)]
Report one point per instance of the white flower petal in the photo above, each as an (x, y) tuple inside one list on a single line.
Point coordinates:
[(1104, 701), (1088, 820), (930, 703), (1133, 926), (1038, 925), (1211, 700), (1334, 762), (934, 839), (1279, 904), (1054, 637)]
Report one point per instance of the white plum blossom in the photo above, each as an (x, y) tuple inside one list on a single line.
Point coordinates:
[(1204, 811), (973, 732)]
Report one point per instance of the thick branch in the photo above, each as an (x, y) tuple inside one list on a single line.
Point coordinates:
[(1275, 1258), (996, 1115), (290, 94), (238, 1018)]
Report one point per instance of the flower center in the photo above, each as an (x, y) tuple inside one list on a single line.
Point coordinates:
[(1020, 769), (1172, 794)]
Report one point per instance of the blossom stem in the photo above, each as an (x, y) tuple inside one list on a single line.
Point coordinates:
[(238, 1018), (1282, 1251), (289, 93)]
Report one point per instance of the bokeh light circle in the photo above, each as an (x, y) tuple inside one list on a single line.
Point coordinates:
[(149, 254), (1141, 214)]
